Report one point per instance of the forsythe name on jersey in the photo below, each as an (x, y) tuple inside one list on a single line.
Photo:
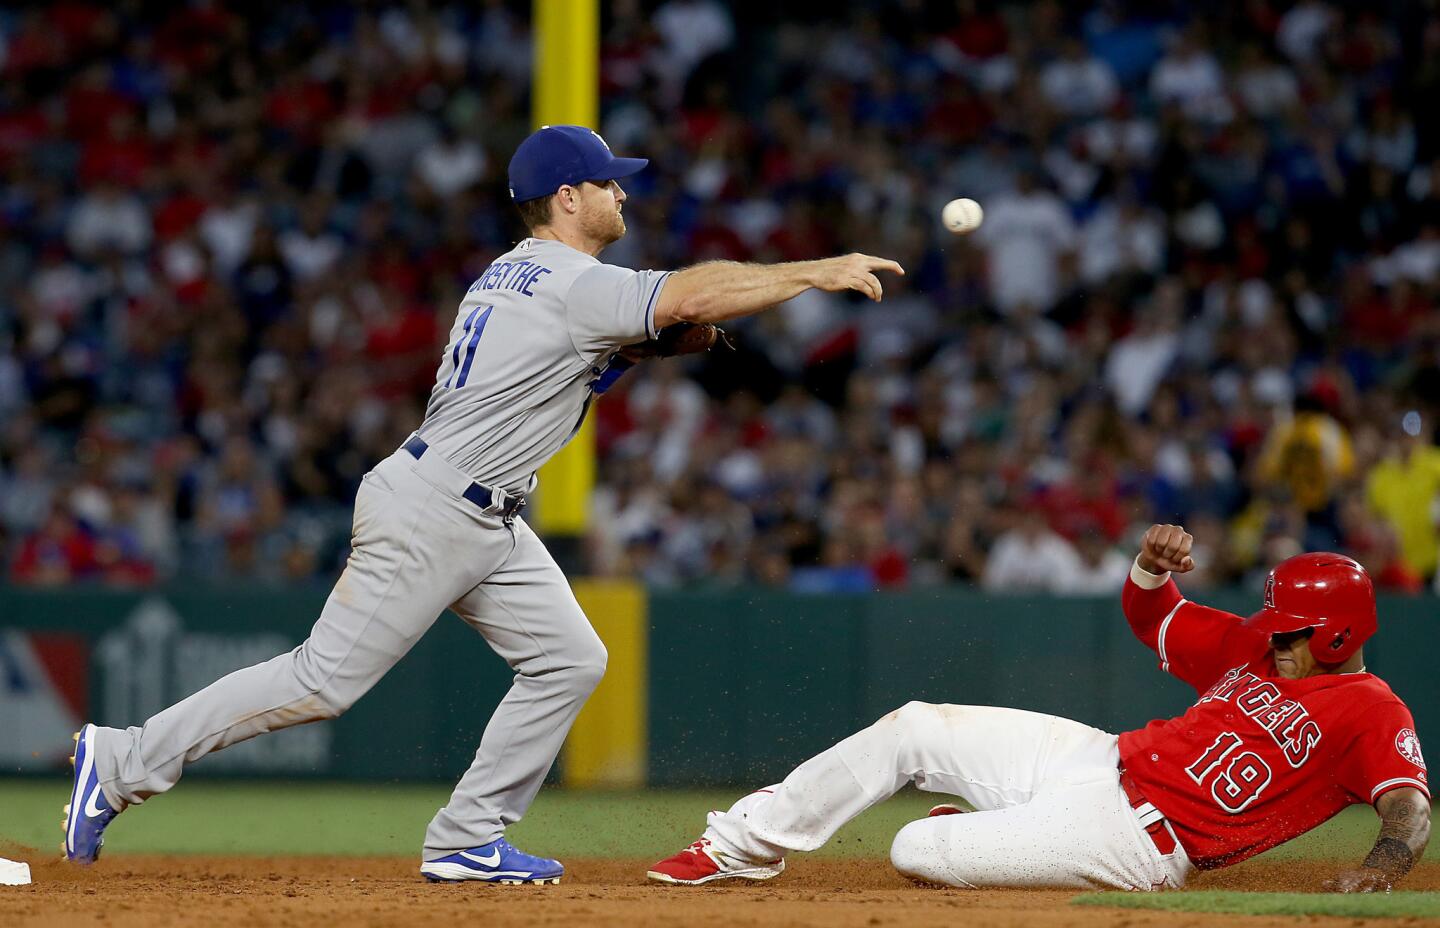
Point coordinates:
[(519, 276)]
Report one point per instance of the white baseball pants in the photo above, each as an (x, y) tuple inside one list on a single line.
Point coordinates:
[(1050, 809), (418, 547)]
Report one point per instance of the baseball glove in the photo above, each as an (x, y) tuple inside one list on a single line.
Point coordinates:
[(680, 338)]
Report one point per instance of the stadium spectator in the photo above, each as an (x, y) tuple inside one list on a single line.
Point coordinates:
[(1078, 84), (230, 245), (1099, 567), (1403, 488), (1030, 557), (1028, 234), (1308, 455), (59, 552)]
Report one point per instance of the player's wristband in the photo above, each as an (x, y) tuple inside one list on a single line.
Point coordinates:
[(1144, 579), (611, 373)]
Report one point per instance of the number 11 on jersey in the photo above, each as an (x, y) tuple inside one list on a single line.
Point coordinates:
[(474, 328)]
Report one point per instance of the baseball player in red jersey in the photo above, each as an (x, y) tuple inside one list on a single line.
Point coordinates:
[(1288, 730)]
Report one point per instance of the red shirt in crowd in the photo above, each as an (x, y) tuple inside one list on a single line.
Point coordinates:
[(61, 551)]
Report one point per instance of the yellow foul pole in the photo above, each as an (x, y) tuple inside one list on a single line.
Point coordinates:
[(567, 91), (608, 745)]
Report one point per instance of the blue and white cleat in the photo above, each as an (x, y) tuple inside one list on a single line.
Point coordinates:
[(88, 811), (496, 862)]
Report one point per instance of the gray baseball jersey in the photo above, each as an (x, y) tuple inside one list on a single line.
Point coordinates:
[(531, 336)]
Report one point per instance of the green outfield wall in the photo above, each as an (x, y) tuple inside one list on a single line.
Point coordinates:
[(746, 684), (147, 650), (738, 686)]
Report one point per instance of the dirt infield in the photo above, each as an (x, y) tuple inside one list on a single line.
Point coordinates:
[(142, 891)]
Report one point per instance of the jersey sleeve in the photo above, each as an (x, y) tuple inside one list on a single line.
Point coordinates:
[(609, 306), (1195, 643), (1385, 754)]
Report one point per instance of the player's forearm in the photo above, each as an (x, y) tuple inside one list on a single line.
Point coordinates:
[(1404, 833), (1147, 598), (721, 290)]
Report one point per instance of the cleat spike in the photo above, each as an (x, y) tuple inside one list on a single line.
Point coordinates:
[(67, 808), (75, 737), (72, 760)]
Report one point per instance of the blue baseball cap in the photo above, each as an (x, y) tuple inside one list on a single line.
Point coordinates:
[(553, 156)]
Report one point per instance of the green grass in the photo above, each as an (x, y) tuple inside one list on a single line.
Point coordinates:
[(1382, 905), (230, 817), (213, 817)]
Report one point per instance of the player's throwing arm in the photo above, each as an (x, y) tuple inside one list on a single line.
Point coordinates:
[(693, 300), (721, 290)]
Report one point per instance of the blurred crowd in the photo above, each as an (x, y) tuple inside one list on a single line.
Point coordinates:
[(1205, 289)]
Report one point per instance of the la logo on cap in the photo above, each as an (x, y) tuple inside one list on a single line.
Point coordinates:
[(599, 139)]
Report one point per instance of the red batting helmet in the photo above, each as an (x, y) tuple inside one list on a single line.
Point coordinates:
[(1330, 593)]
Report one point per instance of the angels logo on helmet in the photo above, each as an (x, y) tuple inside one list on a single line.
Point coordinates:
[(1408, 744)]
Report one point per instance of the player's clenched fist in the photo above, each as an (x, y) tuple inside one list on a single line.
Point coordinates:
[(1166, 547), (853, 272)]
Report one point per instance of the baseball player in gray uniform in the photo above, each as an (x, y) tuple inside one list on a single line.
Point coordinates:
[(437, 524)]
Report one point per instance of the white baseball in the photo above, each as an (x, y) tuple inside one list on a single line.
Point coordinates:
[(962, 216)]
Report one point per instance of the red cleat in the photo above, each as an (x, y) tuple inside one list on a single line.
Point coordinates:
[(701, 863), (945, 808)]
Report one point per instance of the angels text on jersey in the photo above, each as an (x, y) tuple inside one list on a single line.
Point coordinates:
[(1286, 721)]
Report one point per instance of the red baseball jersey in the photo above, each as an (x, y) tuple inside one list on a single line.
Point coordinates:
[(1259, 759)]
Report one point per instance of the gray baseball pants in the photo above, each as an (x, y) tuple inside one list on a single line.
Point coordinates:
[(418, 547)]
